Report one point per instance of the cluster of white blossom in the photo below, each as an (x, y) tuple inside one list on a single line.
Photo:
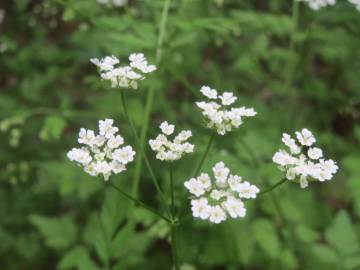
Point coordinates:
[(219, 115), (124, 76), (356, 3), (303, 161), (115, 3), (217, 200), (167, 150), (318, 4), (103, 153)]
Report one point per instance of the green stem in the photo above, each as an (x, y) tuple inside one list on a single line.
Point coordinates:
[(282, 181), (200, 164), (150, 95), (140, 147), (172, 190), (174, 247), (292, 48), (139, 203)]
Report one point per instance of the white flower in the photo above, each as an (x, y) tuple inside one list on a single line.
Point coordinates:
[(317, 4), (123, 76), (227, 98), (115, 142), (195, 187), (166, 128), (208, 92), (217, 214), (101, 154), (290, 142), (124, 155), (205, 180), (167, 150), (200, 208), (214, 200), (219, 116), (305, 137), (283, 158), (138, 61), (235, 207), (315, 153), (106, 128), (220, 172), (247, 191), (305, 164), (79, 155), (87, 137)]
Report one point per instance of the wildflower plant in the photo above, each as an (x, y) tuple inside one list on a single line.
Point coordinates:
[(218, 113), (103, 153), (216, 200), (167, 150), (302, 161)]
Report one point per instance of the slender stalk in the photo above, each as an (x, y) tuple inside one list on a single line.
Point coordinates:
[(151, 93), (201, 162), (142, 152), (282, 181), (172, 190), (139, 203), (292, 47), (174, 247)]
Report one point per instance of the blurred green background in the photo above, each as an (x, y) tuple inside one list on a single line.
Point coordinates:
[(54, 216)]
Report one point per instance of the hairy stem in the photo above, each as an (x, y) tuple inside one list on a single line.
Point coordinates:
[(139, 203)]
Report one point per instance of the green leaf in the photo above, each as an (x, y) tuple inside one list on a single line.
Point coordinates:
[(78, 258), (53, 128), (58, 232), (114, 211), (267, 237), (95, 236), (324, 253), (341, 235), (305, 233)]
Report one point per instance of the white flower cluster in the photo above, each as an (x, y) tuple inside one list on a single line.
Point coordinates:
[(217, 200), (356, 3), (124, 76), (115, 3), (318, 4), (171, 150), (218, 114), (303, 161), (103, 153)]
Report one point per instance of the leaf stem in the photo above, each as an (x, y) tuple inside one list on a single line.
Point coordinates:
[(140, 203), (151, 93), (201, 162), (140, 147), (172, 190), (282, 181), (174, 246)]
